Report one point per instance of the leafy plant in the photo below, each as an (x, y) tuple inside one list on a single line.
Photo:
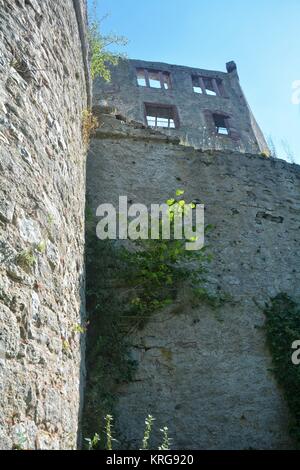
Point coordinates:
[(157, 268), (21, 441), (149, 423), (108, 431), (79, 329), (26, 259), (100, 56), (282, 329), (214, 301), (65, 346), (41, 247), (94, 443), (166, 444)]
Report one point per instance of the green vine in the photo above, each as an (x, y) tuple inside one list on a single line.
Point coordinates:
[(283, 328)]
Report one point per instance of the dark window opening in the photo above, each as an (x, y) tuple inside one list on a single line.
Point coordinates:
[(221, 124), (141, 78), (161, 116), (153, 79), (166, 81), (208, 86), (197, 85)]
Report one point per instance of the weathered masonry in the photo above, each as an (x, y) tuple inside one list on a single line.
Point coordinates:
[(205, 374), (44, 88), (206, 109)]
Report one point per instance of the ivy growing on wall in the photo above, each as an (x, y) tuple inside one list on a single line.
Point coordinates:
[(282, 329)]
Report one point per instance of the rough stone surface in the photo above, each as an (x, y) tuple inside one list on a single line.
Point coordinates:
[(43, 91), (205, 374), (194, 110)]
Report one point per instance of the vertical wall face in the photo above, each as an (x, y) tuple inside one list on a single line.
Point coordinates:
[(43, 91), (204, 373), (194, 109)]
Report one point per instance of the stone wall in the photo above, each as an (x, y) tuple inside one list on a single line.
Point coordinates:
[(44, 87), (204, 373), (195, 122)]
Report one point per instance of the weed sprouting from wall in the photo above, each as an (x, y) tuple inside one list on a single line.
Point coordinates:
[(166, 444), (21, 441), (149, 424), (26, 259), (95, 442), (108, 432)]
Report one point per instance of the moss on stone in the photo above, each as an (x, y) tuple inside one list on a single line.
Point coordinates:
[(283, 328)]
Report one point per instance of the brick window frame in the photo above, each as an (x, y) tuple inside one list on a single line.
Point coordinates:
[(217, 85), (172, 108), (163, 77), (230, 124)]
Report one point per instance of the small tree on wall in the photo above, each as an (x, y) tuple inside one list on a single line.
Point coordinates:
[(101, 58)]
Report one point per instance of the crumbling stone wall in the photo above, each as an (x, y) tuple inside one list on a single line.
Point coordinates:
[(44, 87), (203, 373), (195, 124)]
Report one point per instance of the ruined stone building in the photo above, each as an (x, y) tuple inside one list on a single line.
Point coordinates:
[(205, 374), (206, 109)]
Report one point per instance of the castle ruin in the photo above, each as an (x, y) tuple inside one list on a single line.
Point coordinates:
[(204, 374)]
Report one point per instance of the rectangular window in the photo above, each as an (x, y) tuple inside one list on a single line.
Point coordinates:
[(197, 86), (208, 86), (161, 116), (141, 78), (221, 124), (153, 79), (166, 81)]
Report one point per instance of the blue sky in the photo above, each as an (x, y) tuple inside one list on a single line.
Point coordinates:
[(262, 36)]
